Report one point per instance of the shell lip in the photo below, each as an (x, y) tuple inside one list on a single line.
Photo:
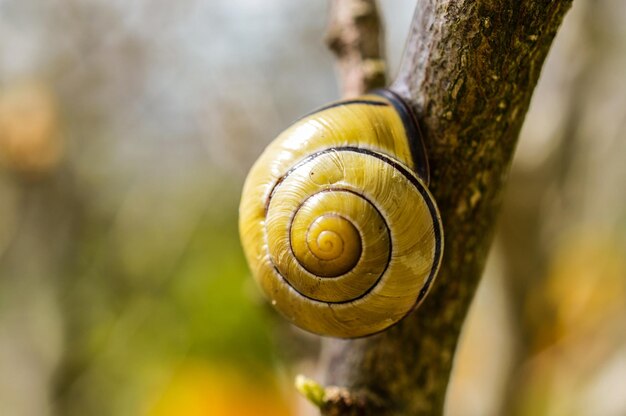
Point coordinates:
[(413, 132)]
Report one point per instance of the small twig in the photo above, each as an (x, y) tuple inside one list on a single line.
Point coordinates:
[(340, 401), (354, 34)]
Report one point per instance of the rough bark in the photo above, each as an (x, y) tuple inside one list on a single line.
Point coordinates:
[(469, 70)]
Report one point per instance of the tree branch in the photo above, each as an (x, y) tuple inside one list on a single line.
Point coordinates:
[(469, 70), (354, 34)]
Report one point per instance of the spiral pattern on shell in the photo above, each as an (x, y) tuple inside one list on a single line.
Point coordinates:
[(331, 244), (345, 241)]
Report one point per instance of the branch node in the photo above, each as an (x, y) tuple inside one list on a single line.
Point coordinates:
[(340, 401)]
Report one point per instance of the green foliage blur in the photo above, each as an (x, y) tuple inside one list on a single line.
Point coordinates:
[(126, 131)]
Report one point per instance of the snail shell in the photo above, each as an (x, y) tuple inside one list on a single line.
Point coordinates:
[(336, 220)]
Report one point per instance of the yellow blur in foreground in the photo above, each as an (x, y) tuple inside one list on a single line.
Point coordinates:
[(199, 389)]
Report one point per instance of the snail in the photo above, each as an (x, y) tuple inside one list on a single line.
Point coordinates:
[(336, 220)]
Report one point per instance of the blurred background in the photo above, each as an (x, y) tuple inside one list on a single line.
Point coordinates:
[(126, 130)]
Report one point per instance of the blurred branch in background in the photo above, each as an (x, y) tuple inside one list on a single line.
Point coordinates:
[(565, 274), (355, 36)]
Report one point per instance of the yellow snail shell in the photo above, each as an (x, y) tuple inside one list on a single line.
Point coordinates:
[(336, 220)]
